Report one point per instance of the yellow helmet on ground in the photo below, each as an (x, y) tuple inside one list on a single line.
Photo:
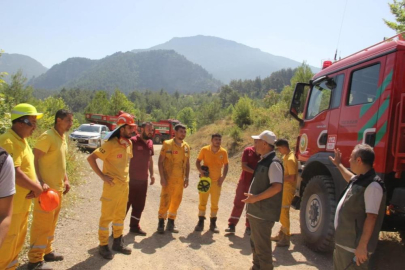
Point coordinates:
[(23, 109)]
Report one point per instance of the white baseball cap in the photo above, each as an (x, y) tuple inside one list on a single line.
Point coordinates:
[(267, 136)]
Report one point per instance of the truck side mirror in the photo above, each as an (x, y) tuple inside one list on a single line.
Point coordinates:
[(298, 101)]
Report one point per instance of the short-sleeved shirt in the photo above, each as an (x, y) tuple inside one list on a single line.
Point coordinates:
[(372, 199), (139, 164), (22, 155), (290, 166), (251, 158), (176, 157), (52, 165), (7, 178), (115, 157), (214, 161)]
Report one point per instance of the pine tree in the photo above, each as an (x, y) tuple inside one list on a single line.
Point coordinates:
[(398, 10)]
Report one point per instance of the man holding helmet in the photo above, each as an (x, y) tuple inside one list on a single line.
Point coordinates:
[(115, 154), (50, 166), (24, 121)]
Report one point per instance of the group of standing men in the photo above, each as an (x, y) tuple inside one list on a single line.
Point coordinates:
[(266, 186), (29, 173)]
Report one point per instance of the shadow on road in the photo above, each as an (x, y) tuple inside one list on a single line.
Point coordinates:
[(389, 254), (284, 255), (95, 261), (197, 239), (150, 244), (242, 243)]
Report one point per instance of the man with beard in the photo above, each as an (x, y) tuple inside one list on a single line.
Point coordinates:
[(174, 169), (140, 165), (216, 159), (115, 154), (50, 166)]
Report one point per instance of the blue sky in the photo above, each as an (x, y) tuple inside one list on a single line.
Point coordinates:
[(51, 31)]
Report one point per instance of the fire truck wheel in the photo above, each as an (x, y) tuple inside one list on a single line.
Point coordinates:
[(157, 140), (317, 213)]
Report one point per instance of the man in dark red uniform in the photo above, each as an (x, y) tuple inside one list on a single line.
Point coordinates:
[(140, 165), (249, 162)]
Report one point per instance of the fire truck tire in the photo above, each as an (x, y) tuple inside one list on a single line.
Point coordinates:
[(157, 140), (317, 213)]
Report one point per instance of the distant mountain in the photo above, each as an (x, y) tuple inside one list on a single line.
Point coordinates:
[(153, 70), (63, 73), (225, 59), (11, 63)]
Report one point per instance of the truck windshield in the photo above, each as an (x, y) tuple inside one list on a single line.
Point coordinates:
[(319, 99), (94, 129)]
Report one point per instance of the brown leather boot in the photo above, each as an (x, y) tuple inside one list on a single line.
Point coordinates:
[(277, 237), (284, 241)]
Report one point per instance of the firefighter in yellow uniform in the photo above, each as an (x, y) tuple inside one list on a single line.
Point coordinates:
[(290, 182), (215, 158), (174, 169), (115, 154), (24, 121), (50, 166)]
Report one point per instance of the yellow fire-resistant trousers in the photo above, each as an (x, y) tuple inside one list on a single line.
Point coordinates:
[(43, 231), (288, 195), (215, 192), (170, 197), (14, 241), (113, 209)]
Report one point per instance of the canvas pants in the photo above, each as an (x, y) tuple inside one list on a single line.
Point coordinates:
[(343, 258), (215, 192), (170, 197), (43, 231), (14, 241), (113, 209), (238, 205), (260, 243), (136, 200), (288, 195)]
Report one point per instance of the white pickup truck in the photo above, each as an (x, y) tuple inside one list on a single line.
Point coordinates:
[(89, 136)]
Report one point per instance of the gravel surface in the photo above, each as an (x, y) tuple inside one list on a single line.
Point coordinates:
[(76, 237)]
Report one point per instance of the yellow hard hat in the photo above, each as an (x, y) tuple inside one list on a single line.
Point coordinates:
[(24, 109)]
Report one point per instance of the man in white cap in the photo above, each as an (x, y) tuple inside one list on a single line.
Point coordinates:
[(264, 199)]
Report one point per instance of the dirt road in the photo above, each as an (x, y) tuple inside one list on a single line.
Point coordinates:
[(76, 237)]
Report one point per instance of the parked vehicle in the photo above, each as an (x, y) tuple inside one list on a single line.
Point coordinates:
[(359, 99), (89, 136), (164, 130)]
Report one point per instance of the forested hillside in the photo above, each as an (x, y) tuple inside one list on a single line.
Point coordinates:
[(152, 70), (12, 63)]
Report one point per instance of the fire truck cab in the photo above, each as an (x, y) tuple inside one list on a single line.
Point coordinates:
[(359, 99)]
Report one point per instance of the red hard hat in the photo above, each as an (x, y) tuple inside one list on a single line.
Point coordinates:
[(49, 200), (126, 119)]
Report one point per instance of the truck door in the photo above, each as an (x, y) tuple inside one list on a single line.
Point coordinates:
[(314, 129), (360, 109)]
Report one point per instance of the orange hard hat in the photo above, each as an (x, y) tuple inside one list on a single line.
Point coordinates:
[(49, 200), (126, 119)]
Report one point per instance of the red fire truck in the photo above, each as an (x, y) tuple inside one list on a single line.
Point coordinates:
[(359, 99), (164, 130), (108, 120)]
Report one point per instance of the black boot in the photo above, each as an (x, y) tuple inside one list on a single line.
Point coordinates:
[(118, 245), (200, 224), (170, 226), (161, 226), (231, 229), (213, 225), (105, 252)]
